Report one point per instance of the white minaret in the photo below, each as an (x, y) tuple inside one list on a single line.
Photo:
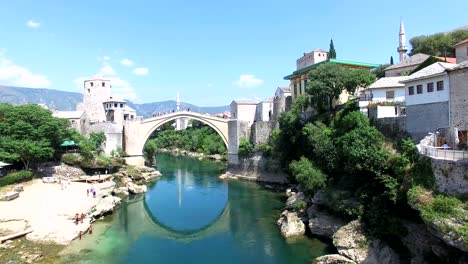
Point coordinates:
[(402, 49), (178, 123)]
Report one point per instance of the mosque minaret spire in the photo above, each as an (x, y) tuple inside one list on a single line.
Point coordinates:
[(402, 49)]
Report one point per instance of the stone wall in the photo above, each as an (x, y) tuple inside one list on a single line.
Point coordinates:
[(451, 176), (391, 126), (261, 132), (424, 118), (113, 132), (258, 168), (459, 99)]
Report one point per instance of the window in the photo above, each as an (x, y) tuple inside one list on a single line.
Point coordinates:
[(430, 87), (103, 84), (390, 95), (115, 105), (121, 105), (89, 90), (92, 84), (411, 90), (419, 89), (440, 85)]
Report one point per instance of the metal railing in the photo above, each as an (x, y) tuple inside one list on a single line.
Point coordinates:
[(365, 97), (445, 154)]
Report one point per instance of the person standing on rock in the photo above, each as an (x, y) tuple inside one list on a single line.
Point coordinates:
[(82, 217)]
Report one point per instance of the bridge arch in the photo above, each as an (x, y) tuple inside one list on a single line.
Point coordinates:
[(137, 133)]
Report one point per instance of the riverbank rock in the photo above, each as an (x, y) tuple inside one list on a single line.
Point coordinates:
[(9, 196), (62, 170), (333, 259), (351, 242), (135, 188), (294, 198), (122, 191), (322, 223), (12, 226), (290, 224), (104, 206), (105, 189)]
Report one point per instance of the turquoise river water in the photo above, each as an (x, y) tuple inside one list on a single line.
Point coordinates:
[(191, 216)]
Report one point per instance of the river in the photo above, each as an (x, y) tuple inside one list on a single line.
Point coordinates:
[(191, 216)]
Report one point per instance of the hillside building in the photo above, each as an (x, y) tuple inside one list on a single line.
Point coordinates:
[(100, 112)]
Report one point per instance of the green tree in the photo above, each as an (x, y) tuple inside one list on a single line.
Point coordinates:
[(440, 44), (329, 80), (309, 176), (391, 60), (150, 151), (98, 138), (332, 51), (29, 133), (245, 147), (380, 71)]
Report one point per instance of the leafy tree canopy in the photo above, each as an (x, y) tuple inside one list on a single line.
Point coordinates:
[(440, 44), (29, 133)]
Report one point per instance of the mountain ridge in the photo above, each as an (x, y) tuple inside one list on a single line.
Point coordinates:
[(66, 101)]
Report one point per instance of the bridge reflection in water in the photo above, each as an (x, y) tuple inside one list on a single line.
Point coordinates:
[(140, 221)]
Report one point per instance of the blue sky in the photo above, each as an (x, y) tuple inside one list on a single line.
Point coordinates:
[(210, 51)]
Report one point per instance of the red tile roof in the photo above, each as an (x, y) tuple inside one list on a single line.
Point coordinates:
[(448, 59), (461, 42)]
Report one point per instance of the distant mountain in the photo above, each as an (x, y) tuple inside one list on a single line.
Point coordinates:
[(67, 101), (55, 99)]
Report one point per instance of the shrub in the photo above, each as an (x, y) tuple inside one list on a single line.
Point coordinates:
[(309, 176), (71, 159), (246, 148), (16, 177), (300, 205), (264, 148)]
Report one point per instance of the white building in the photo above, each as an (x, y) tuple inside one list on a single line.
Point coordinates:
[(461, 51), (244, 110), (427, 99), (264, 110), (383, 91)]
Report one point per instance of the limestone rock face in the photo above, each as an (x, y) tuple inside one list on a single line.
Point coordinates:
[(105, 205), (11, 226), (135, 188), (105, 188), (9, 196), (322, 223), (333, 259), (294, 198), (290, 224), (63, 170), (351, 242)]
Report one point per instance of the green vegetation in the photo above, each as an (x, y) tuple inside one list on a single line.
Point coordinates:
[(380, 71), (16, 177), (246, 148), (364, 177), (308, 175), (329, 80), (332, 51), (30, 134), (149, 151), (440, 44), (202, 139)]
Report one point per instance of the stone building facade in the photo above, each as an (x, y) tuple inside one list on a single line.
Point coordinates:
[(100, 112), (427, 100), (458, 78)]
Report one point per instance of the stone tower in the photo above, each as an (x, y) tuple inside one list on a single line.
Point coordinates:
[(97, 90), (402, 49)]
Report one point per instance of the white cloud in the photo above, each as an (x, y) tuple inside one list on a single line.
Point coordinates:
[(15, 75), (140, 71), (209, 85), (33, 24), (126, 62), (107, 70), (248, 81)]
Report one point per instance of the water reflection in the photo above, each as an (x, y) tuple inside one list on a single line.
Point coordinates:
[(190, 216)]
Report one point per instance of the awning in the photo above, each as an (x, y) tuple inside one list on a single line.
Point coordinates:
[(3, 164), (68, 144)]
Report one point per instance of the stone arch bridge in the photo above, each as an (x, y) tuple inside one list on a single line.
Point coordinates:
[(136, 133)]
